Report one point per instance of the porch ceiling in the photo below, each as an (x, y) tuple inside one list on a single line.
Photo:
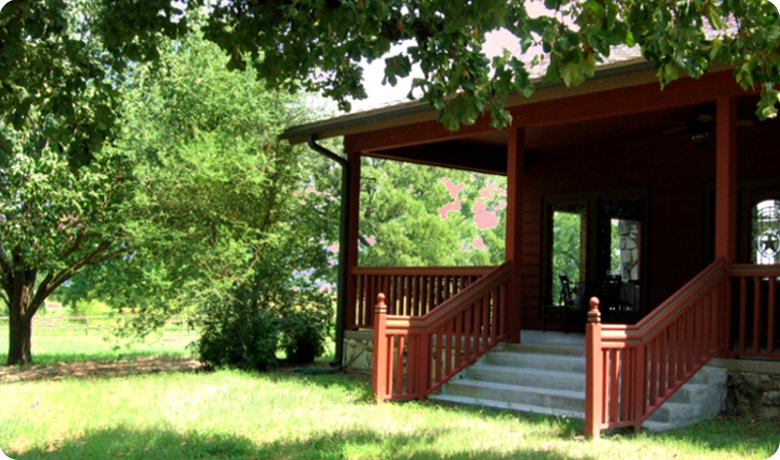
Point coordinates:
[(486, 151)]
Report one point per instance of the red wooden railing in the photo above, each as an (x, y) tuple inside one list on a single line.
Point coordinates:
[(413, 356), (412, 291), (633, 369), (756, 320)]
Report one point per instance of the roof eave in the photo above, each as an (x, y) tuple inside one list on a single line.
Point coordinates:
[(634, 71)]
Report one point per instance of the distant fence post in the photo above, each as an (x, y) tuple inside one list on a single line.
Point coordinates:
[(594, 373), (381, 349)]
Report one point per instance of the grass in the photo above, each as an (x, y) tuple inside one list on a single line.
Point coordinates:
[(51, 346), (229, 414)]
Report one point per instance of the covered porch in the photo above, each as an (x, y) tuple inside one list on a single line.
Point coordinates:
[(675, 198)]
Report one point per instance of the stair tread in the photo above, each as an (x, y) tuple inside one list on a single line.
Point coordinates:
[(539, 355), (657, 426), (569, 350), (520, 388), (519, 407), (529, 370)]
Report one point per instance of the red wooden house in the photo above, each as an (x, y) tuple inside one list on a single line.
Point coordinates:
[(687, 177)]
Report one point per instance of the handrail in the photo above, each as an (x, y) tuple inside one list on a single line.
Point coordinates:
[(428, 270), (413, 356), (633, 369), (412, 291)]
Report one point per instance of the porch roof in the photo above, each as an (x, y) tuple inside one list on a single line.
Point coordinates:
[(613, 75)]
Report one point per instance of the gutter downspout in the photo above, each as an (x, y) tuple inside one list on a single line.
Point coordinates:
[(343, 275)]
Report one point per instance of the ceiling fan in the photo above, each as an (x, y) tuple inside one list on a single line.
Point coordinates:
[(702, 126)]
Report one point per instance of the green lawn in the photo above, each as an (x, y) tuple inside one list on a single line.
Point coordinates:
[(228, 414), (231, 414), (59, 345)]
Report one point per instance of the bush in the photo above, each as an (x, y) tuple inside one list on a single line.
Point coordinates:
[(303, 333), (249, 329), (239, 334)]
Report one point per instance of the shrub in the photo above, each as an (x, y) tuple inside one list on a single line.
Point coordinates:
[(304, 332), (238, 334)]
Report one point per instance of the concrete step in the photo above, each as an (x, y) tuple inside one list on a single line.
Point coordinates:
[(549, 379), (572, 350), (562, 400), (546, 361), (507, 405), (528, 377)]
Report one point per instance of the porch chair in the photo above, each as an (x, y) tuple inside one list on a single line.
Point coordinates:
[(610, 293), (568, 304)]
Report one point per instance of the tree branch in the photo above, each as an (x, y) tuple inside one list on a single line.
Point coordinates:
[(52, 281), (76, 245)]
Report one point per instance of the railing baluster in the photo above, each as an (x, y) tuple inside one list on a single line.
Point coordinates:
[(469, 331), (770, 326), (627, 383), (614, 384), (399, 370), (756, 313), (662, 383), (458, 338), (485, 321), (742, 312), (673, 353)]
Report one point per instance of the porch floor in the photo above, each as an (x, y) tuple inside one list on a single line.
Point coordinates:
[(556, 338)]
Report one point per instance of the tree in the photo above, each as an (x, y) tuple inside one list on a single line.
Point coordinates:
[(414, 215), (320, 45), (62, 65), (59, 192), (227, 224)]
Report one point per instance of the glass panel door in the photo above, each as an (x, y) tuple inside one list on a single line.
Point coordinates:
[(619, 267), (569, 248)]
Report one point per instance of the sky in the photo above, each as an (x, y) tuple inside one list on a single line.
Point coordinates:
[(381, 95)]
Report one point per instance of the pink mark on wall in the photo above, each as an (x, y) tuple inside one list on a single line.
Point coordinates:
[(484, 216), (454, 191), (479, 243)]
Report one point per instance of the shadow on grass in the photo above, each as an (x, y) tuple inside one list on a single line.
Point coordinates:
[(143, 444), (134, 444), (726, 433), (97, 369)]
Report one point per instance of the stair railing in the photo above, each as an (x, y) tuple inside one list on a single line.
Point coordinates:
[(413, 356), (631, 370)]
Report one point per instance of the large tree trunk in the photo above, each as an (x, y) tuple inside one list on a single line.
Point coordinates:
[(21, 311), (19, 351)]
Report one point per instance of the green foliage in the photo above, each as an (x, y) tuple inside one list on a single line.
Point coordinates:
[(61, 78), (238, 333), (226, 219), (402, 205), (445, 39), (566, 247)]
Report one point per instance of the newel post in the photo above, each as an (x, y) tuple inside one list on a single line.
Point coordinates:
[(594, 373), (381, 362)]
